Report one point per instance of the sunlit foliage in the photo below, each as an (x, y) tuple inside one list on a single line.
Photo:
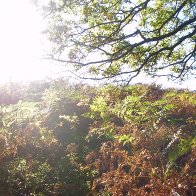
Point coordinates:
[(119, 39), (62, 139)]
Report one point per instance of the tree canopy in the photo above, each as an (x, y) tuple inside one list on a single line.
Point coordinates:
[(122, 38)]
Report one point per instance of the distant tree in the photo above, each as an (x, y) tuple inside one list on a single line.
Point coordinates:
[(121, 38)]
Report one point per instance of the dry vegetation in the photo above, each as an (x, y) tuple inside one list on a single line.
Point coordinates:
[(60, 139)]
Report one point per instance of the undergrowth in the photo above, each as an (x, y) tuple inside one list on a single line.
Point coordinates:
[(62, 139)]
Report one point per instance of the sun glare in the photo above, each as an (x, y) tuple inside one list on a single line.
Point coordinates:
[(20, 45)]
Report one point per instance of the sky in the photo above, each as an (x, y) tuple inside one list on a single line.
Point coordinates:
[(21, 47)]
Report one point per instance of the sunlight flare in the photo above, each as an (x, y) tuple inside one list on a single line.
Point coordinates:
[(20, 47)]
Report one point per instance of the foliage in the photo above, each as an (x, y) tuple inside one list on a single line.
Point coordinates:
[(42, 146), (126, 37), (64, 139)]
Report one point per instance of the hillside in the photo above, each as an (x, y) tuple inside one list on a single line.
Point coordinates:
[(62, 139)]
